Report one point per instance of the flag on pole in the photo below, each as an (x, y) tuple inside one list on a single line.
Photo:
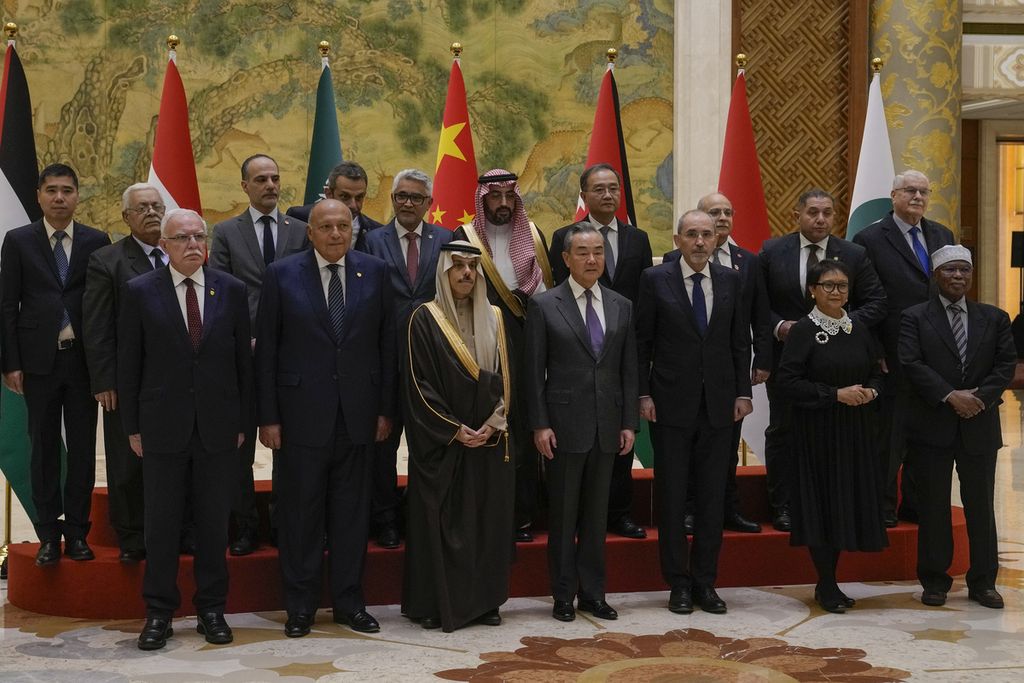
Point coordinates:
[(872, 189), (455, 177), (19, 172), (173, 169), (607, 145), (740, 176), (325, 147)]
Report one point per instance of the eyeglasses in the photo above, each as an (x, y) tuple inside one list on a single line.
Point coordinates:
[(841, 287), (414, 199), (911, 191), (146, 208), (199, 237), (328, 229), (720, 212), (602, 190)]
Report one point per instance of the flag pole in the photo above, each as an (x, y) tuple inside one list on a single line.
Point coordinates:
[(11, 29), (741, 67)]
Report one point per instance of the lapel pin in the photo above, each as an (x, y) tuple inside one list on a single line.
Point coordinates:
[(211, 292), (430, 236), (358, 274)]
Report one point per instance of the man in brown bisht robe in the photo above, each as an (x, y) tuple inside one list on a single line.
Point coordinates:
[(461, 477)]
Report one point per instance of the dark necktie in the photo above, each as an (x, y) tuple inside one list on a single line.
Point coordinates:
[(716, 256), (700, 306), (158, 258), (268, 240), (61, 257), (920, 251), (812, 258), (594, 325), (195, 321), (959, 335), (335, 301), (609, 255), (412, 257)]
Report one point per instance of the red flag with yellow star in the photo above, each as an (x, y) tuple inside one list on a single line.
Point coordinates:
[(455, 177)]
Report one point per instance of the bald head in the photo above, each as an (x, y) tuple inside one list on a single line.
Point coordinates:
[(330, 229), (718, 206)]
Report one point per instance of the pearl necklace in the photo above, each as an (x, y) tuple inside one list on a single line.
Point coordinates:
[(830, 326)]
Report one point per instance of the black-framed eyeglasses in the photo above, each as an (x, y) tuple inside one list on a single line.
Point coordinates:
[(146, 208), (720, 212), (841, 287), (414, 199), (199, 237)]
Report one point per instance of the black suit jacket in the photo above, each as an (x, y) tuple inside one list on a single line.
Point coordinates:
[(755, 298), (582, 397), (677, 365), (109, 269), (900, 273), (32, 299), (302, 374), (166, 391), (634, 256), (787, 299), (931, 364), (366, 224)]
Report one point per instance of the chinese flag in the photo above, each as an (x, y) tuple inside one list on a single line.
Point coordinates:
[(455, 177), (608, 147), (740, 177), (173, 170)]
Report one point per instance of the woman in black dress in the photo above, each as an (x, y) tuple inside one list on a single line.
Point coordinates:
[(830, 372)]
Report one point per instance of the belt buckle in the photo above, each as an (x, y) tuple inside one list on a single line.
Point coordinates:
[(65, 344)]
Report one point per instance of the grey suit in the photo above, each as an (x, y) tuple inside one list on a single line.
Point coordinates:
[(587, 400)]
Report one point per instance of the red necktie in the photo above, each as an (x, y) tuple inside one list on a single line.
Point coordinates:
[(412, 257), (195, 321)]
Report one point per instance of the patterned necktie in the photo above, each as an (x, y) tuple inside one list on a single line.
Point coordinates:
[(812, 258), (336, 301), (158, 258), (594, 325), (609, 255), (61, 257), (920, 251), (959, 335), (700, 306), (412, 257), (268, 240), (195, 321)]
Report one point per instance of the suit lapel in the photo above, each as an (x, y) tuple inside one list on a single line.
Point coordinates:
[(611, 320), (285, 233), (212, 296), (427, 247), (79, 257), (395, 250), (940, 322), (721, 300), (976, 330), (313, 285), (172, 309), (792, 255), (248, 234), (46, 251), (739, 262), (894, 236), (138, 262), (674, 280), (570, 311), (353, 291), (622, 242)]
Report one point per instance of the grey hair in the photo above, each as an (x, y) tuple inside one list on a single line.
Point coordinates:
[(137, 187), (692, 213), (176, 213), (413, 174), (580, 228), (901, 178)]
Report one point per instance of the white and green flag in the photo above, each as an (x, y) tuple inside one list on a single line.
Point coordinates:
[(873, 187)]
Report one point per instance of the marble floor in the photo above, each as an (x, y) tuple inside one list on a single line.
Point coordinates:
[(770, 634)]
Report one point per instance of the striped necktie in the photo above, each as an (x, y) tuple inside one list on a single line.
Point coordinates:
[(959, 335), (335, 301)]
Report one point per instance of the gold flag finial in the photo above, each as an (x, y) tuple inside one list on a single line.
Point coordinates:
[(11, 29), (612, 54), (324, 47), (456, 50), (741, 60), (172, 42), (876, 65)]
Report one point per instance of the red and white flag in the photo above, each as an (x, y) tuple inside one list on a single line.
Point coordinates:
[(740, 176), (173, 170), (455, 177)]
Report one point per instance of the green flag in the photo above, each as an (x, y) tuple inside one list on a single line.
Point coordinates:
[(325, 148)]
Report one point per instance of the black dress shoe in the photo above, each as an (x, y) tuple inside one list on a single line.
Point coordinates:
[(298, 625), (707, 599), (155, 633), (986, 598), (908, 514), (388, 537), (491, 618), (244, 545), (680, 602), (215, 628), (78, 549), (627, 528), (132, 556), (430, 623), (933, 598), (563, 610), (737, 522), (889, 519), (599, 608), (688, 524), (523, 535), (49, 553), (187, 547), (782, 521), (836, 604), (359, 620)]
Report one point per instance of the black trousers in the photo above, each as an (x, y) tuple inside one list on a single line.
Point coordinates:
[(934, 473), (65, 391), (578, 486), (210, 480), (124, 484), (892, 449), (384, 472), (694, 458), (731, 499), (620, 494), (332, 483), (777, 449), (243, 506)]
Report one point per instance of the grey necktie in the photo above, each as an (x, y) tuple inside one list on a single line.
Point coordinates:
[(959, 335), (609, 255)]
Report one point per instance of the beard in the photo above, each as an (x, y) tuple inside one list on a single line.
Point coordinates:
[(503, 216)]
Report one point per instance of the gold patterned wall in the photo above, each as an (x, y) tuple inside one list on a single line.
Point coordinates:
[(798, 85), (532, 68)]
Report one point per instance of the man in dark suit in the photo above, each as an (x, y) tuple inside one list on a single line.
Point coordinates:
[(42, 280), (627, 253), (784, 262), (726, 252), (184, 379), (244, 246), (347, 183), (109, 269), (694, 356), (326, 382), (410, 246), (898, 246), (581, 382), (958, 357)]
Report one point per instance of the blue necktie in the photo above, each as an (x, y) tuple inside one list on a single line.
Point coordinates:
[(61, 257), (594, 325), (158, 258), (335, 301), (700, 306), (922, 253)]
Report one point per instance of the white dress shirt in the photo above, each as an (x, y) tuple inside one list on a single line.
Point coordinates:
[(404, 243), (613, 235), (256, 216), (705, 284), (905, 228), (325, 274), (962, 303), (499, 237), (148, 249), (724, 253), (198, 283), (578, 292), (805, 252), (66, 332)]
